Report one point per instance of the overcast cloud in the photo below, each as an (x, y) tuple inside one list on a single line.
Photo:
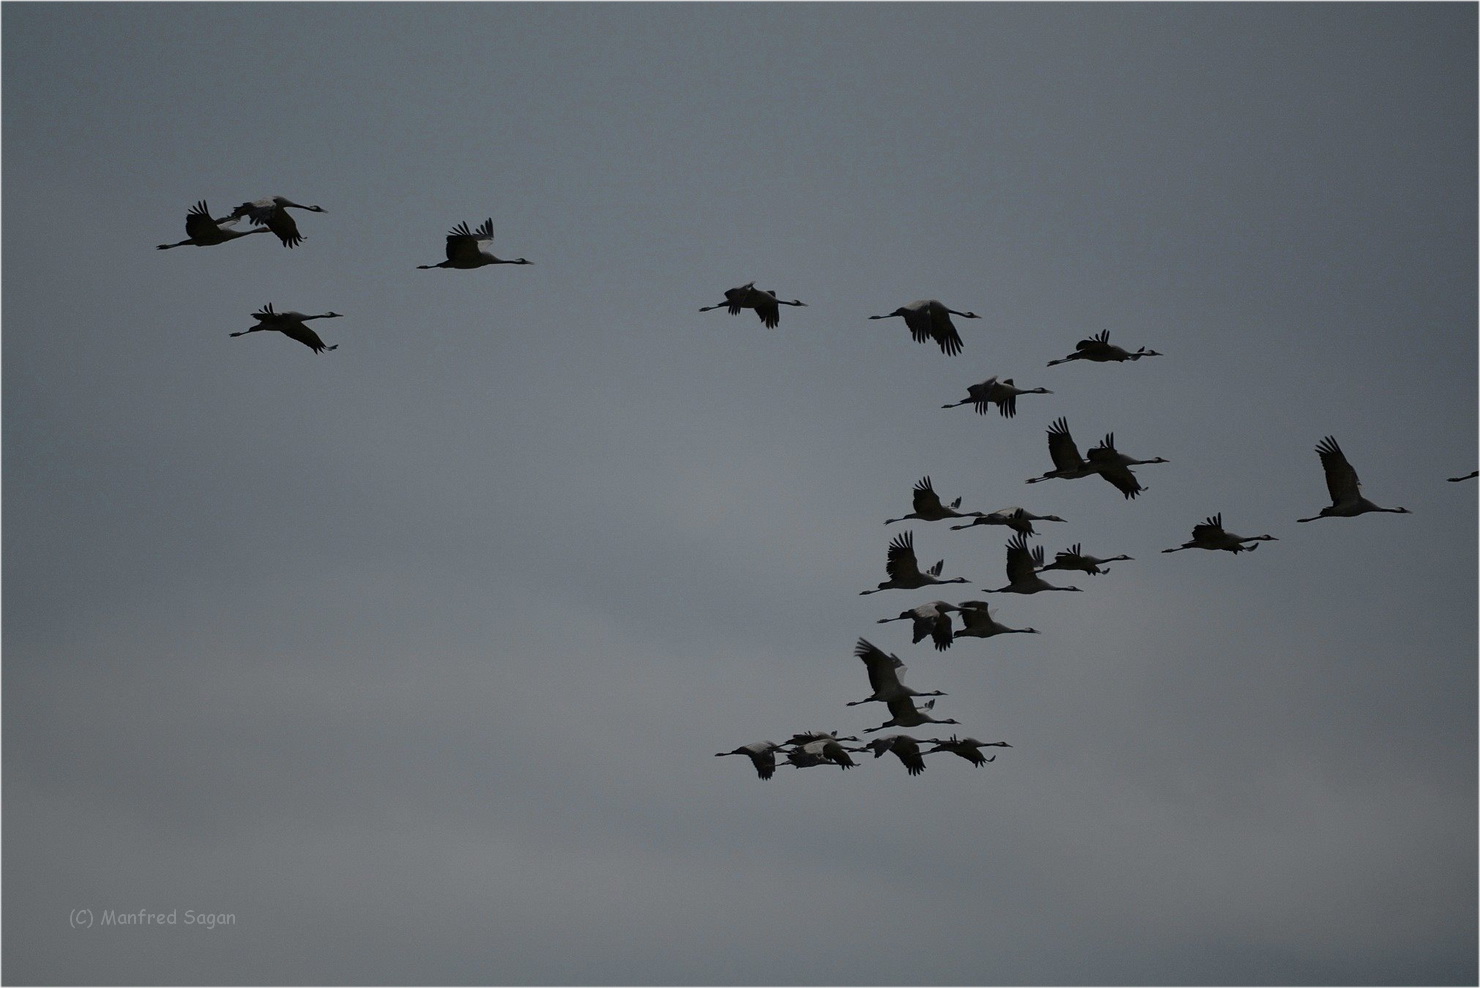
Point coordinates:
[(413, 657)]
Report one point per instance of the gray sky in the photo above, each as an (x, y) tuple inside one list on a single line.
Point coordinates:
[(413, 656)]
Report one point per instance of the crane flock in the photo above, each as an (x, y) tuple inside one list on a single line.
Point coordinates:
[(928, 320)]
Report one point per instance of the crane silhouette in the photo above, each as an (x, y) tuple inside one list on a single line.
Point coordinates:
[(904, 713), (927, 506), (1211, 535), (967, 748), (1074, 559), (465, 249), (932, 620), (823, 751), (1115, 466), (977, 622), (765, 303), (904, 571), (762, 755), (929, 319), (1099, 349), (292, 325), (1003, 394), (1067, 463), (1344, 487), (1018, 519), (905, 748), (206, 232), (1022, 569), (884, 672), (272, 213)]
